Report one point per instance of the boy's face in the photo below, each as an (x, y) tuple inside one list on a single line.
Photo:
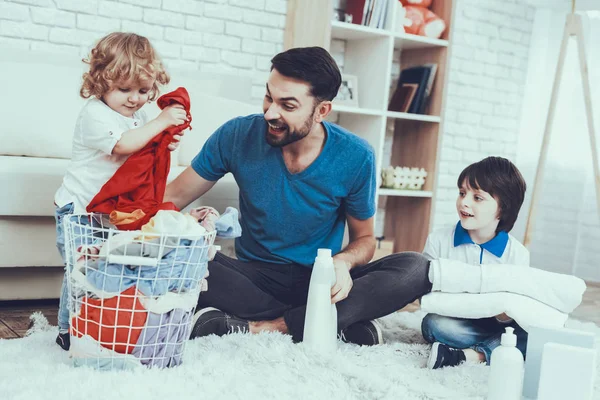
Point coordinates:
[(289, 110), (477, 209), (128, 97)]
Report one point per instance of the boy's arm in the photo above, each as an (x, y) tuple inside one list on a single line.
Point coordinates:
[(135, 139)]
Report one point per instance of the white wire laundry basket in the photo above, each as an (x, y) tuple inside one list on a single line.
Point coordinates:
[(132, 294)]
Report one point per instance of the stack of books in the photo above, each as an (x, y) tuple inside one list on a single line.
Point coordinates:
[(370, 13), (413, 89)]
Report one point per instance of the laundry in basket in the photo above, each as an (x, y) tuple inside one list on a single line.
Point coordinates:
[(132, 295)]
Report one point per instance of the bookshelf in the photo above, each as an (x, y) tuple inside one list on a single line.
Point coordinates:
[(369, 55)]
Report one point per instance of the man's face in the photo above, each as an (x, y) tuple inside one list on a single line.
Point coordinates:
[(289, 110)]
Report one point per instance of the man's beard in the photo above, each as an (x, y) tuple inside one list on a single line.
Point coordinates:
[(288, 136)]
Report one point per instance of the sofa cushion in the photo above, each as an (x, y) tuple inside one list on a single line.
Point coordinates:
[(28, 242), (222, 195), (29, 184), (41, 109)]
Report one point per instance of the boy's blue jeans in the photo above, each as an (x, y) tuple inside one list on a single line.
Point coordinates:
[(59, 214), (482, 335)]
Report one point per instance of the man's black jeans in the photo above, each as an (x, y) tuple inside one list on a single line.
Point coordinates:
[(259, 291)]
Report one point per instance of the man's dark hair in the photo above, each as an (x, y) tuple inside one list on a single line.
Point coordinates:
[(501, 179), (313, 65)]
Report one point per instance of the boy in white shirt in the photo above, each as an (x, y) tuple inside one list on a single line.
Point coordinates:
[(125, 74), (491, 193)]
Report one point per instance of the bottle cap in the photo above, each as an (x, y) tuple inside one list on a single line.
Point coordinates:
[(324, 253), (508, 337)]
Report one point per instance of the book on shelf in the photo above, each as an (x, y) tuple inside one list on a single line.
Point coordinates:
[(413, 89), (403, 96), (371, 13)]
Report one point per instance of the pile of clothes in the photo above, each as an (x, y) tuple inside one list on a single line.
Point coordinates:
[(530, 296), (134, 292)]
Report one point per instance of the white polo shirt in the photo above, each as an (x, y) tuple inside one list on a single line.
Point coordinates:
[(455, 243), (97, 131)]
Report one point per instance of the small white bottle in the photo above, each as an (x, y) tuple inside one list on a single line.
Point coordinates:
[(320, 325), (506, 369)]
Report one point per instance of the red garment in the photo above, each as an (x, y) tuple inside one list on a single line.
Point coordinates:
[(122, 319), (139, 184)]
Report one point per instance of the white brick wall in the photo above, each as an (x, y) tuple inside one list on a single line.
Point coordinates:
[(233, 36), (488, 68)]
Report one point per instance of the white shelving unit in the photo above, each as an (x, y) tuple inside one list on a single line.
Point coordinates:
[(405, 193), (369, 56)]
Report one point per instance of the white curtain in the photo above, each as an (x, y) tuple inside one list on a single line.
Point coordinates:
[(566, 237)]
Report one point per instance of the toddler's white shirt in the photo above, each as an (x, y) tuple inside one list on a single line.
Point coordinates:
[(97, 131), (454, 243)]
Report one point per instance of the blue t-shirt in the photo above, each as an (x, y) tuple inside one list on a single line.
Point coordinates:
[(286, 217)]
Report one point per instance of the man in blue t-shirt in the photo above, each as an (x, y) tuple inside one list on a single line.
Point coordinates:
[(301, 180)]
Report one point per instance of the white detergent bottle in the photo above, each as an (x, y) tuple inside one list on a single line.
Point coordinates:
[(320, 325), (506, 369)]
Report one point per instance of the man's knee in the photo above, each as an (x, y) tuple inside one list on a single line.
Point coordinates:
[(409, 262)]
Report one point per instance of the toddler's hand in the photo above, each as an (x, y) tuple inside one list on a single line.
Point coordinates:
[(172, 115), (175, 143)]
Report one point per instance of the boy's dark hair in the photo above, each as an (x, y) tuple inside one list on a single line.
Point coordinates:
[(501, 179), (313, 65)]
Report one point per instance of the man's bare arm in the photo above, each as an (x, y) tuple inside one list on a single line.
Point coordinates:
[(359, 251), (187, 187)]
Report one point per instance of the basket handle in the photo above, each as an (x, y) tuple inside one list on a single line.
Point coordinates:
[(132, 260)]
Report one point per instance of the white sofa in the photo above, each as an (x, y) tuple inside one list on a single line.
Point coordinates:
[(39, 104)]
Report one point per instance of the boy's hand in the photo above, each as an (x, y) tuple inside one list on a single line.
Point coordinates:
[(172, 116), (175, 143)]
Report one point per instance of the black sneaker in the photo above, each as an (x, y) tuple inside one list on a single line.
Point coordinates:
[(444, 356), (64, 340), (211, 321), (364, 333)]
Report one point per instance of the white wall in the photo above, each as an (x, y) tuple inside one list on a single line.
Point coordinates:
[(567, 225), (224, 36)]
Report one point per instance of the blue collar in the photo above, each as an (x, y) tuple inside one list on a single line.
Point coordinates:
[(496, 246)]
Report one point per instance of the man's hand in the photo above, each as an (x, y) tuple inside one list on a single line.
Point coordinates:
[(343, 280)]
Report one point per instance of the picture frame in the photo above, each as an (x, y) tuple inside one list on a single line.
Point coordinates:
[(348, 92)]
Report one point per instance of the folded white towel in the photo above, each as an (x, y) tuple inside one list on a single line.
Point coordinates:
[(525, 311), (452, 276), (560, 291)]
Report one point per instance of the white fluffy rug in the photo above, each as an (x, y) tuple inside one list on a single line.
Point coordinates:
[(266, 366)]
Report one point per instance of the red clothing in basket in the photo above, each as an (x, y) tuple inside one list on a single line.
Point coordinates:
[(116, 323)]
